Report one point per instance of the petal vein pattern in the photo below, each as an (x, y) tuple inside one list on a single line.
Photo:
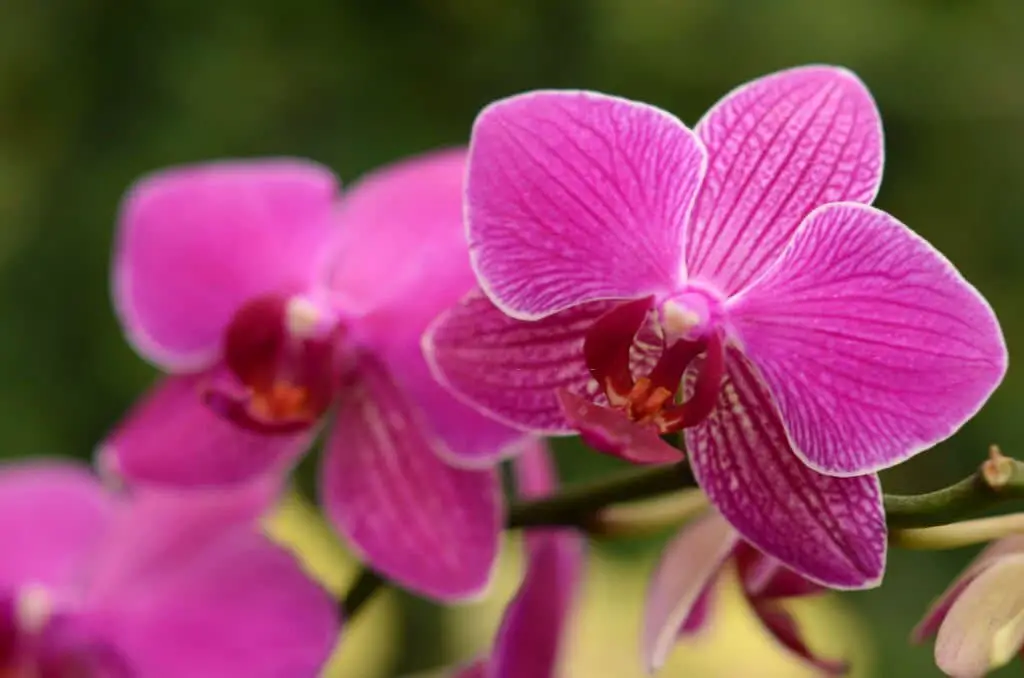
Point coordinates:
[(779, 147), (575, 197), (831, 530), (512, 369), (872, 343), (431, 527)]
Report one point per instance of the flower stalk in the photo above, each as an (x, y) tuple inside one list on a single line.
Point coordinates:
[(605, 508)]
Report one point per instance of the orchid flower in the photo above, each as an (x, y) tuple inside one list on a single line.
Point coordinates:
[(532, 633), (270, 299), (681, 597), (730, 282), (979, 620), (155, 585)]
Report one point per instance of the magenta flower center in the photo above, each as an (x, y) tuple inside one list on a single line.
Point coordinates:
[(282, 352), (692, 342), (34, 643)]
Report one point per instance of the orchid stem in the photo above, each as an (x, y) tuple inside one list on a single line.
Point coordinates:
[(577, 505), (591, 507), (366, 584), (997, 479)]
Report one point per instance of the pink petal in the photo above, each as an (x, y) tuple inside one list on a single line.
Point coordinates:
[(52, 515), (873, 345), (783, 627), (828, 529), (778, 147), (578, 196), (689, 565), (171, 438), (195, 242), (612, 432), (530, 639), (512, 369), (700, 612), (534, 470), (929, 625), (765, 578), (431, 527), (983, 628), (416, 207), (194, 589), (476, 669)]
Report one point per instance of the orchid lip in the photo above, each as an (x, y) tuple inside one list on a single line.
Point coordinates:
[(281, 353), (653, 398)]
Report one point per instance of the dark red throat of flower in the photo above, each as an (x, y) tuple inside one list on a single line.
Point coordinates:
[(286, 382), (651, 399)]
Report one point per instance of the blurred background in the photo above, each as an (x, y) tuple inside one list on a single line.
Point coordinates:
[(95, 92)]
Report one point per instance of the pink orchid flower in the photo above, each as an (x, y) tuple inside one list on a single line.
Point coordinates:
[(270, 299), (531, 637), (977, 620), (731, 282), (681, 596), (156, 585)]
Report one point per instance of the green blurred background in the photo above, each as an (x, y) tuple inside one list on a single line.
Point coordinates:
[(95, 92)]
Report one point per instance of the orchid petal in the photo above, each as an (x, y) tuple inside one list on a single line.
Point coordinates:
[(984, 628), (530, 638), (612, 432), (831, 530), (529, 642), (577, 196), (873, 345), (431, 527), (689, 564), (936, 614), (400, 255), (475, 669), (171, 438), (52, 514), (512, 369), (196, 242), (700, 612), (765, 578), (778, 147), (784, 629), (196, 590)]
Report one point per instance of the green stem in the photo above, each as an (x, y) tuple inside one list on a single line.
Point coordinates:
[(581, 506), (576, 505), (366, 584)]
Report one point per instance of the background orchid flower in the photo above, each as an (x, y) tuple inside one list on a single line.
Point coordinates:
[(680, 601), (94, 585), (978, 620), (532, 633), (821, 339), (270, 299)]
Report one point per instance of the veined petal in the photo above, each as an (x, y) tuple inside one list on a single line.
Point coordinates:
[(195, 242), (984, 628), (688, 567), (828, 529), (171, 438), (929, 625), (872, 343), (52, 516), (200, 592), (513, 369), (577, 196), (431, 527), (778, 147), (784, 629)]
